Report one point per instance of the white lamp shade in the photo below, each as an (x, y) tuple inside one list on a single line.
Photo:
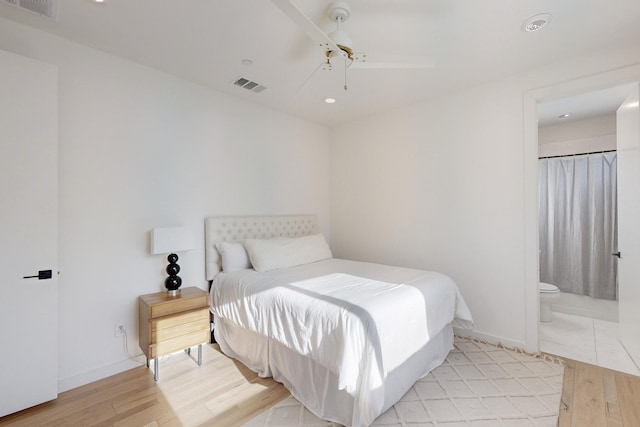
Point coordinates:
[(166, 240)]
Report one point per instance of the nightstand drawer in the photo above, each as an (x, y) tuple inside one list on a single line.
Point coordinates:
[(179, 305), (178, 343), (169, 327), (172, 322)]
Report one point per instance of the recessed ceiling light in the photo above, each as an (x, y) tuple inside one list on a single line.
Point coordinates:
[(564, 116), (330, 100), (536, 22), (247, 62), (98, 1)]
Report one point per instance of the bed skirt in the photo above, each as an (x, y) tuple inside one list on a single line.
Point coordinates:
[(315, 386)]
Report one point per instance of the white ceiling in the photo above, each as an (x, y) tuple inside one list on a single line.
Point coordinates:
[(471, 41)]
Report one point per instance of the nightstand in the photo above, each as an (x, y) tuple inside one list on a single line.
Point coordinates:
[(168, 323)]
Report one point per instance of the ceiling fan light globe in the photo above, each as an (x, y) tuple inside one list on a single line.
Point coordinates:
[(339, 56), (341, 38)]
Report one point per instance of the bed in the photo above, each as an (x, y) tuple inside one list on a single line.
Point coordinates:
[(348, 339)]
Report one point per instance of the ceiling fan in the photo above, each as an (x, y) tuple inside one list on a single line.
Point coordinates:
[(337, 45)]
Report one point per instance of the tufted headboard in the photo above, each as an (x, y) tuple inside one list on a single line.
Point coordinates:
[(238, 228)]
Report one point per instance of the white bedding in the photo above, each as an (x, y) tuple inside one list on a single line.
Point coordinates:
[(359, 320)]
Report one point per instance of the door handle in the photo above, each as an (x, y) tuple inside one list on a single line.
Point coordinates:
[(616, 254), (42, 274)]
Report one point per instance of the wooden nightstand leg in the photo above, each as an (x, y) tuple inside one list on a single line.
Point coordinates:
[(199, 354), (155, 369), (147, 361)]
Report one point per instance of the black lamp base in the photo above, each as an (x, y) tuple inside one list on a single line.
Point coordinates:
[(173, 282)]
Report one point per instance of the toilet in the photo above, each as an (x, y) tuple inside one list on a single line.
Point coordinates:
[(548, 294)]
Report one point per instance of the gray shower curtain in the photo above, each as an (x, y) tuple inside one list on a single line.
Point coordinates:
[(578, 224)]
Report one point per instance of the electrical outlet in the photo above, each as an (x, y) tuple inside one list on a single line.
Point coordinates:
[(119, 329)]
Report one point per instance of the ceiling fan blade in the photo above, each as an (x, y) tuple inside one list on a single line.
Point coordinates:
[(361, 60), (308, 26)]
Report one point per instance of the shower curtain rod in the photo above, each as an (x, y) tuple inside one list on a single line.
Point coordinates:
[(578, 154)]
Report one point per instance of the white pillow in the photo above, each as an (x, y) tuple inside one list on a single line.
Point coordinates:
[(234, 257), (282, 252)]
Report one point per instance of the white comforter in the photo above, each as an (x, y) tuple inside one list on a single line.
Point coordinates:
[(359, 320)]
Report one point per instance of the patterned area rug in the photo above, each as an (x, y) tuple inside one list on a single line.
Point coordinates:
[(478, 385)]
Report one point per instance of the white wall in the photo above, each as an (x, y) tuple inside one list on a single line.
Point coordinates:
[(140, 149), (579, 136), (440, 185), (578, 146), (436, 187), (578, 129)]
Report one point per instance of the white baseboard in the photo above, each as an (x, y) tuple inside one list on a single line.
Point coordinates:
[(74, 381), (491, 339)]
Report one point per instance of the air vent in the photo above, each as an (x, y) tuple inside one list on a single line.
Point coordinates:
[(41, 7), (249, 85)]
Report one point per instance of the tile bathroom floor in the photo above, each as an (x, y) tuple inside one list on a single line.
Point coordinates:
[(586, 340)]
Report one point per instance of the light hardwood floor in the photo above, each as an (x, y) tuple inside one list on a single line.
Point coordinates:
[(221, 392), (225, 393), (598, 397)]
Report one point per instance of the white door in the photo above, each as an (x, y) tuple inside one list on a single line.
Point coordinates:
[(29, 232), (628, 131)]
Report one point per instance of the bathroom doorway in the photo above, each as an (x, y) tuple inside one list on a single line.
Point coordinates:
[(577, 170)]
